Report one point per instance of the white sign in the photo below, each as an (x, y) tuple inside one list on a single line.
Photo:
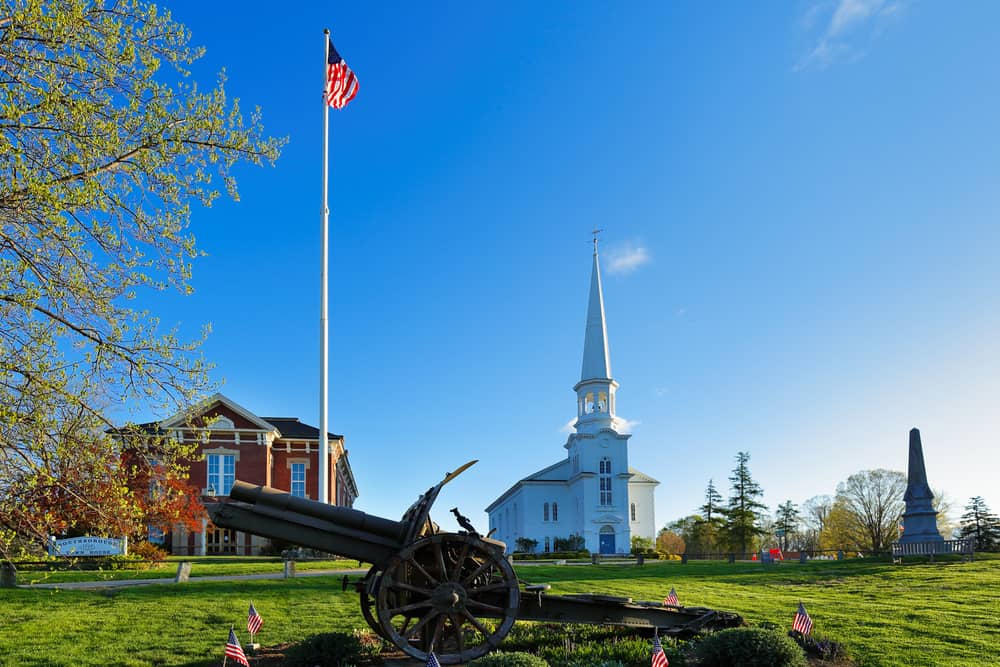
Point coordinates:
[(87, 546)]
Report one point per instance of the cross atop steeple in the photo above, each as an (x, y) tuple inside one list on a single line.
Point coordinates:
[(595, 233)]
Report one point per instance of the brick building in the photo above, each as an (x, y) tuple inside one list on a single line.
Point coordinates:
[(234, 443)]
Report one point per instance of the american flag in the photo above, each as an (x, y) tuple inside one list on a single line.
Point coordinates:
[(254, 621), (659, 657), (802, 622), (234, 650), (671, 599), (341, 84), (432, 660)]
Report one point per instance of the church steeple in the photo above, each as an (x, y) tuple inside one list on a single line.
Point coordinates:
[(596, 358), (596, 389)]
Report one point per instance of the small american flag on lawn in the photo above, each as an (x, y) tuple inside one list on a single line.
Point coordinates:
[(341, 83), (254, 621), (432, 660), (659, 657), (234, 650), (802, 622), (671, 599)]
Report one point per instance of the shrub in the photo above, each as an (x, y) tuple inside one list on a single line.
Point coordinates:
[(819, 647), (116, 562), (508, 659), (148, 551), (627, 652), (749, 647), (332, 649)]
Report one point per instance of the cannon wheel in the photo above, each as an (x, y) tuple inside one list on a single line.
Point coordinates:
[(368, 591), (435, 593)]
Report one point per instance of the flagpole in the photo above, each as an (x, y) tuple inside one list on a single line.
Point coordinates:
[(323, 345)]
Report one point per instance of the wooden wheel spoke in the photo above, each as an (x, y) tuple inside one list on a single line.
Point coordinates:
[(498, 586), (420, 568), (407, 607), (476, 624), (456, 624), (436, 636), (402, 586), (457, 572), (479, 570), (439, 555), (484, 606), (421, 623)]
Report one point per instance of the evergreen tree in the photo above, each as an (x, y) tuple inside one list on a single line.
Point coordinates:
[(787, 521), (744, 505), (981, 525), (710, 524), (712, 509)]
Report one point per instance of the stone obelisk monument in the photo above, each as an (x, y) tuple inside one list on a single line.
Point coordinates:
[(920, 517)]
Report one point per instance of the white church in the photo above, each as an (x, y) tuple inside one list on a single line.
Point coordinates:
[(591, 492)]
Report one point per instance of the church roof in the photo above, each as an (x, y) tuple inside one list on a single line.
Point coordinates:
[(641, 477), (596, 357), (557, 472)]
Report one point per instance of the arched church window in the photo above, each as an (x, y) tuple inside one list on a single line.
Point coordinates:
[(602, 402), (588, 403), (555, 511), (548, 546), (545, 512), (605, 481), (633, 511)]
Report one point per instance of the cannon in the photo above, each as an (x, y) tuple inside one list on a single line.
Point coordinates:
[(455, 594)]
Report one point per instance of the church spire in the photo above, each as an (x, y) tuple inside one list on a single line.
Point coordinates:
[(596, 357), (595, 392)]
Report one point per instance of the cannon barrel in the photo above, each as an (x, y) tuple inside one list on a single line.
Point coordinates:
[(268, 512), (345, 517)]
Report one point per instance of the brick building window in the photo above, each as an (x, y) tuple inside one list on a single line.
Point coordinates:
[(221, 473), (299, 480)]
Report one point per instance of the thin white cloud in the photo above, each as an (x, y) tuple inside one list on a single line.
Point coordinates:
[(626, 425), (621, 424), (845, 29), (626, 258)]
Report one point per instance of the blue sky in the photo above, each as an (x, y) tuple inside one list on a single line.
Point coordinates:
[(800, 255)]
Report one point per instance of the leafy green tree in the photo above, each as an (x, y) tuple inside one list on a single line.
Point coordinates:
[(787, 521), (981, 525), (526, 545), (743, 512), (874, 502), (641, 544), (815, 511), (105, 146), (572, 543), (670, 542)]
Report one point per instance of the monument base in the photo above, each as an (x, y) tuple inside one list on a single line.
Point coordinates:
[(920, 526)]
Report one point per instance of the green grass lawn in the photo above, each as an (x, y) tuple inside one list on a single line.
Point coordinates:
[(202, 566), (915, 614)]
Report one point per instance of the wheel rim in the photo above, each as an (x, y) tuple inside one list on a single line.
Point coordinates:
[(368, 591), (451, 594)]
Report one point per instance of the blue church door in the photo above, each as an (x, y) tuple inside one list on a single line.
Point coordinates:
[(607, 540)]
